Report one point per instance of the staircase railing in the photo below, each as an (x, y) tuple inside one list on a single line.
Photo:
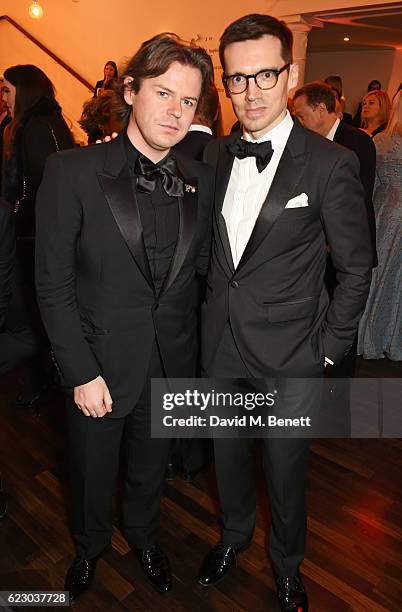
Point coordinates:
[(48, 51)]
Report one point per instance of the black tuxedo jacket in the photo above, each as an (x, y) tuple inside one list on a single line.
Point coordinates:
[(193, 144), (361, 143), (95, 290), (276, 300)]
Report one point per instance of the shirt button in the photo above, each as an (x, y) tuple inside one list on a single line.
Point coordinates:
[(234, 284)]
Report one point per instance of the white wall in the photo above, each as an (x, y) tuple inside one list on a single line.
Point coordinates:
[(71, 94), (87, 33), (357, 69)]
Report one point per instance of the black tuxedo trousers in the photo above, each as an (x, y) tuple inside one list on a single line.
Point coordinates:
[(285, 467), (95, 447)]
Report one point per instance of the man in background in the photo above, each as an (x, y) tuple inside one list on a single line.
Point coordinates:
[(315, 107), (200, 132)]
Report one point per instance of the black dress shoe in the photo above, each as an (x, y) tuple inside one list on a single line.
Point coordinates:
[(291, 594), (171, 471), (220, 559), (79, 577), (156, 567)]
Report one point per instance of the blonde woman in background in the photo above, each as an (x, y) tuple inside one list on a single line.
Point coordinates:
[(376, 107), (380, 331)]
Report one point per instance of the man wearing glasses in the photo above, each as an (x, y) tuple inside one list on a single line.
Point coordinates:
[(282, 193)]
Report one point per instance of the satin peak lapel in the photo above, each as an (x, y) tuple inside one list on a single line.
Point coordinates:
[(187, 229), (288, 174), (120, 196), (224, 170)]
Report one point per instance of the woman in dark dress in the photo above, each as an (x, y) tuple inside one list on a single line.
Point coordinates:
[(37, 129), (109, 72)]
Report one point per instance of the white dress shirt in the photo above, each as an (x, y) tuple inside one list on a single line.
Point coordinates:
[(197, 127), (248, 188), (332, 131)]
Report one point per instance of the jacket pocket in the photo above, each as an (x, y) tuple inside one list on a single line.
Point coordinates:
[(90, 329), (291, 311)]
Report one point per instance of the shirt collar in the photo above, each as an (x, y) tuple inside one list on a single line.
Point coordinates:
[(278, 135), (332, 131), (133, 153), (195, 127)]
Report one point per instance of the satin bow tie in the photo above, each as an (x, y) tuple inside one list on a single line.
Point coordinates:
[(262, 151), (149, 173)]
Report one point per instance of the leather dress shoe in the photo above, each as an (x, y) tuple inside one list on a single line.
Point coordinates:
[(79, 577), (171, 471), (220, 559), (156, 567), (292, 596)]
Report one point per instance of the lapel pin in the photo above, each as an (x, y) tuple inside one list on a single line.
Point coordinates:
[(190, 188)]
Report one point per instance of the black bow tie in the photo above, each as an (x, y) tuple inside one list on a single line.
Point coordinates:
[(149, 173), (262, 151)]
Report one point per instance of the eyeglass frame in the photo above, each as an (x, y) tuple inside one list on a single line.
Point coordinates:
[(254, 76)]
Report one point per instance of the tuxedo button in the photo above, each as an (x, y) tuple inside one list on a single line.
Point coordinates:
[(155, 306), (234, 284)]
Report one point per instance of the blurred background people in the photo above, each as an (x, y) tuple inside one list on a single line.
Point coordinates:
[(109, 72), (372, 86), (101, 116), (380, 330), (201, 130), (376, 107), (335, 82), (37, 129), (7, 255), (4, 120), (399, 89), (315, 107)]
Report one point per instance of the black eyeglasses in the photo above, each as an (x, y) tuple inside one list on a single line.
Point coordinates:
[(265, 79)]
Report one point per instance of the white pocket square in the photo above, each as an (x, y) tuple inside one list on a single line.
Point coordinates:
[(298, 201)]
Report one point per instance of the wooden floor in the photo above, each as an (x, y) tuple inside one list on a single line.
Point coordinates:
[(354, 546)]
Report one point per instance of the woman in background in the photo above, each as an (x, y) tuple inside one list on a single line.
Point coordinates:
[(37, 129), (109, 72), (376, 107), (380, 330)]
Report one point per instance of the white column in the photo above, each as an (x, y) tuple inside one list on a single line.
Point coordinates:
[(300, 27)]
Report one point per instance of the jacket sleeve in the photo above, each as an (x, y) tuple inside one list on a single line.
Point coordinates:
[(206, 203), (345, 221), (58, 224)]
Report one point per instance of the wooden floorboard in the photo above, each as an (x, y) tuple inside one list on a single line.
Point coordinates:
[(354, 544)]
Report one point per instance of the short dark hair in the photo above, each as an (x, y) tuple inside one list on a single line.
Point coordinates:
[(253, 27), (156, 55), (335, 81), (208, 106), (317, 93), (374, 84)]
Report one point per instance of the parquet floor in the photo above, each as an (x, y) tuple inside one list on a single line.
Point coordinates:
[(354, 547)]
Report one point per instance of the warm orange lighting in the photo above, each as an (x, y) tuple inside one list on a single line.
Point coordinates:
[(346, 38), (35, 10)]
